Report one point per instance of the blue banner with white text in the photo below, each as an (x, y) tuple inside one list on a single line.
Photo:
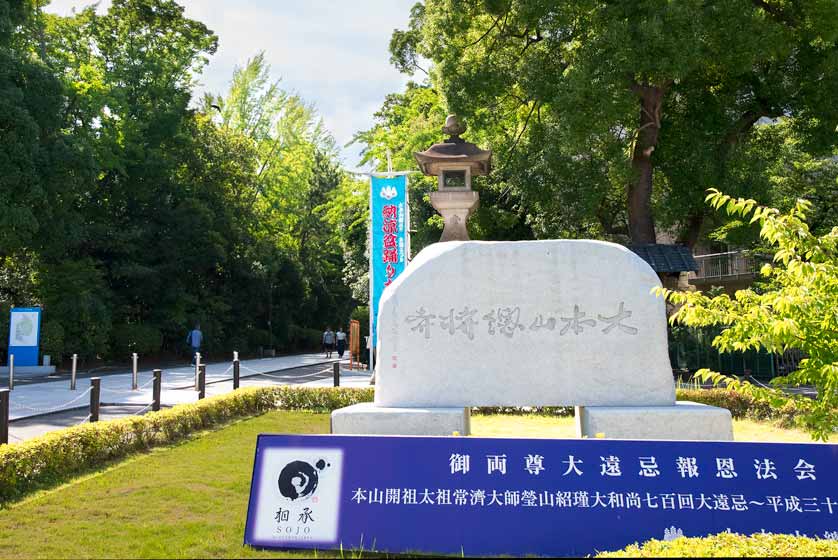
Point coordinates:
[(389, 237), (493, 496)]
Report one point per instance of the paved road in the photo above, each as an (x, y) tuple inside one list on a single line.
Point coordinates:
[(36, 408)]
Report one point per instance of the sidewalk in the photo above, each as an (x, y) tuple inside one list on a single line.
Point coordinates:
[(36, 399)]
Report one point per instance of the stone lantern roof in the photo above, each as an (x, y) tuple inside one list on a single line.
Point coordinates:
[(454, 150)]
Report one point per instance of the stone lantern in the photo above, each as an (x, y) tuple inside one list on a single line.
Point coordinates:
[(454, 162)]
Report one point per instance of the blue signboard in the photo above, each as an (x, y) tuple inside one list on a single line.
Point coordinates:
[(389, 212), (25, 335), (482, 496)]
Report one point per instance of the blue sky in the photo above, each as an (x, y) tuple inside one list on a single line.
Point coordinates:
[(332, 53)]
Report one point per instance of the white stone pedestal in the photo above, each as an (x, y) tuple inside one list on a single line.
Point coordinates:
[(684, 421), (455, 208), (366, 418)]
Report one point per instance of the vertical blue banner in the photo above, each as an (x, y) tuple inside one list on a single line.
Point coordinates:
[(388, 209), (25, 335)]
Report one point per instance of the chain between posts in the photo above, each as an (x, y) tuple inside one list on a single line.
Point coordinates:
[(56, 408)]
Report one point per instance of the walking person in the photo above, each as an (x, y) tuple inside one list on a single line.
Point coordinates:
[(340, 337), (193, 339), (328, 342)]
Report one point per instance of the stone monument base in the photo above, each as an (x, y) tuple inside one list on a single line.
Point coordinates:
[(684, 421), (366, 418)]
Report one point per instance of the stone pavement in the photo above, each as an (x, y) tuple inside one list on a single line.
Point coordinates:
[(37, 408)]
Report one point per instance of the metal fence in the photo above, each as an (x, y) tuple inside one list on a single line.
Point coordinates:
[(691, 349), (721, 265)]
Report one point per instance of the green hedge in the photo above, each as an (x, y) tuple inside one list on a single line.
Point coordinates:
[(730, 545), (55, 456), (62, 453), (740, 406)]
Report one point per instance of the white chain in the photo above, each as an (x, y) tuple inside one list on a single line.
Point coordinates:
[(128, 392), (86, 418), (291, 378), (17, 406), (761, 384), (143, 409)]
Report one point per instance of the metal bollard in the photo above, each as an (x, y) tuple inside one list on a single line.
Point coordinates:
[(134, 381), (73, 373), (94, 398), (236, 373), (11, 371), (197, 368), (155, 389), (202, 382), (336, 373), (4, 416)]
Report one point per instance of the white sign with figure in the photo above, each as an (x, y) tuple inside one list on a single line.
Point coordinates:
[(23, 330)]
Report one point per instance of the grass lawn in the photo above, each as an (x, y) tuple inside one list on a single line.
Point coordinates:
[(190, 500)]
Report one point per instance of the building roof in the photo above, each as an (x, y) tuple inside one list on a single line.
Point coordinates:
[(666, 258)]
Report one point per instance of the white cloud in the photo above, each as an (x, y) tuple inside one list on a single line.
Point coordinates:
[(334, 54)]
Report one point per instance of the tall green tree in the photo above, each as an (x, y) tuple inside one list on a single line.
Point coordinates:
[(798, 309), (611, 112)]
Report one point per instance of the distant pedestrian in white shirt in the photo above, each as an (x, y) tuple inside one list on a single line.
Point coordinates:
[(340, 336)]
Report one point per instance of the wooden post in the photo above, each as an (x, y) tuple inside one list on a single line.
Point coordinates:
[(134, 380), (202, 381), (11, 371), (336, 373), (4, 416), (236, 373), (73, 373), (94, 398), (155, 389)]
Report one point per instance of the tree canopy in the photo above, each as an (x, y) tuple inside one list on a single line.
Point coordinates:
[(612, 119), (136, 211)]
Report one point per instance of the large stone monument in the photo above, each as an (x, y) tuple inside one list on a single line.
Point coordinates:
[(528, 323)]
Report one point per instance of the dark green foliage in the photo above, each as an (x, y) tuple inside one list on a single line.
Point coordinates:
[(610, 118), (130, 216), (52, 340), (142, 339)]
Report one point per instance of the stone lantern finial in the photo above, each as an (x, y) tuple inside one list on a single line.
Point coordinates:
[(453, 127)]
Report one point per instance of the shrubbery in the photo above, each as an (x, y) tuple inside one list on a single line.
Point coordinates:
[(142, 339), (740, 406), (53, 457), (52, 340), (62, 453), (730, 545), (302, 338)]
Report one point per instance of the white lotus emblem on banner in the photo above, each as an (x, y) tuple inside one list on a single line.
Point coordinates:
[(389, 192)]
